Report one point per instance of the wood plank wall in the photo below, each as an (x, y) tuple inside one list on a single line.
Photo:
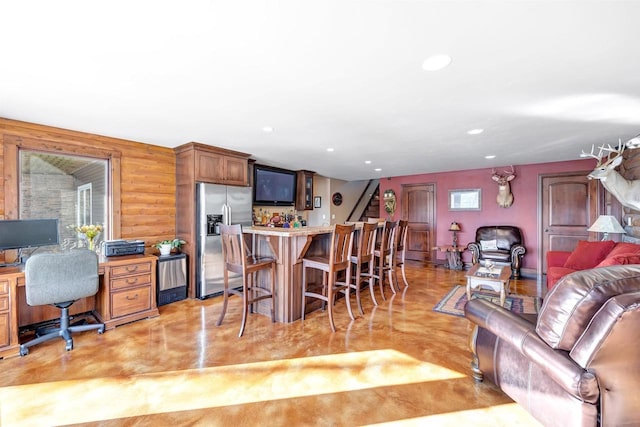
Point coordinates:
[(147, 178)]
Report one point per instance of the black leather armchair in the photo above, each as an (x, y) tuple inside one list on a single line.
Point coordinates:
[(501, 244)]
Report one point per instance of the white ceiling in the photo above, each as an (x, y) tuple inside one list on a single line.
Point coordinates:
[(544, 79)]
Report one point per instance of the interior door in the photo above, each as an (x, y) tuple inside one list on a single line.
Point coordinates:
[(418, 207), (570, 204)]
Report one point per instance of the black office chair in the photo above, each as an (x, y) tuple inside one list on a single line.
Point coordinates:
[(60, 279)]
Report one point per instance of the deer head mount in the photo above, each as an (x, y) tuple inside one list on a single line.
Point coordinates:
[(504, 198), (627, 192)]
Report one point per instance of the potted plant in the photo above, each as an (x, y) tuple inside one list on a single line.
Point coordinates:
[(165, 246)]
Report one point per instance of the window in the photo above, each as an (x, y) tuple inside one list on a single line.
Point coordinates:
[(68, 187)]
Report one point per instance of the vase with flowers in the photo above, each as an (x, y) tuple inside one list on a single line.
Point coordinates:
[(90, 233)]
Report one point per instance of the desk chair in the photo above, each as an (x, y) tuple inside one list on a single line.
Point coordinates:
[(337, 261), (60, 279), (238, 259)]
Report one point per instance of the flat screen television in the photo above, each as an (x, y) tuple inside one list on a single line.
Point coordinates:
[(28, 233), (273, 186)]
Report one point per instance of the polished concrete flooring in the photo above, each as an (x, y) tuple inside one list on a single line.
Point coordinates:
[(399, 364)]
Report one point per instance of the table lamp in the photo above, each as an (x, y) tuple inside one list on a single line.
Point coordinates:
[(606, 224), (455, 227)]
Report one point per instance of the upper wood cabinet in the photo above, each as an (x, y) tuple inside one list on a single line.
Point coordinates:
[(213, 165), (304, 196), (220, 168)]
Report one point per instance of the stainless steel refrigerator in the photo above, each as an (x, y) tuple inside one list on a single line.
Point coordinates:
[(216, 205)]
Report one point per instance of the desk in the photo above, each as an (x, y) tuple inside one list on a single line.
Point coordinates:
[(454, 260), (127, 293)]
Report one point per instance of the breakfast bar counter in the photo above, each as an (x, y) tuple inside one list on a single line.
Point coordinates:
[(288, 246)]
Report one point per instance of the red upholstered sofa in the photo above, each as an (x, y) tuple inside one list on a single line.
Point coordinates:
[(589, 255)]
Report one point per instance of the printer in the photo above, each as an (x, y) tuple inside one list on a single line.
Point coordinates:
[(122, 247)]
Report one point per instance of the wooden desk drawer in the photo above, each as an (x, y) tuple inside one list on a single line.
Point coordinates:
[(4, 302), (131, 301), (4, 330), (4, 287), (127, 270), (130, 281)]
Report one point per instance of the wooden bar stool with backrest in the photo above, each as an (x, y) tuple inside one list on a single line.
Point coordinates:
[(363, 261), (401, 246), (337, 261), (384, 253), (238, 259)]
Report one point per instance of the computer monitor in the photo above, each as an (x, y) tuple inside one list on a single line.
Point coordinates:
[(28, 233)]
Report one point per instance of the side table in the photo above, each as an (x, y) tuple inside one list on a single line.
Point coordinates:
[(454, 259)]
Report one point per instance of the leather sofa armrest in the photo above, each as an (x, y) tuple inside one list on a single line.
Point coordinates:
[(557, 258), (521, 335), (517, 251), (474, 248)]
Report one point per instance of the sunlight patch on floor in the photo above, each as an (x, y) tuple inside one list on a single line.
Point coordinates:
[(507, 415), (78, 401)]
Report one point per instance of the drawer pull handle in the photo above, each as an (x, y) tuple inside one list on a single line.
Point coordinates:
[(132, 281), (131, 299), (132, 268)]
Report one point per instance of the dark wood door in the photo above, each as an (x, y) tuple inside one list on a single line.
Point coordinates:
[(569, 206), (418, 207)]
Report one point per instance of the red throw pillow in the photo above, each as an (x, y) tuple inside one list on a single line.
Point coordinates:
[(624, 248), (588, 254), (621, 259)]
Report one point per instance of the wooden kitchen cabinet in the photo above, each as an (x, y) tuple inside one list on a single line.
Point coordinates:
[(304, 198), (213, 165)]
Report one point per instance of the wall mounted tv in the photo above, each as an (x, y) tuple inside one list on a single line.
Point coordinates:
[(28, 233), (273, 186)]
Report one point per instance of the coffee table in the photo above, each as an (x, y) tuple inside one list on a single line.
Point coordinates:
[(496, 278)]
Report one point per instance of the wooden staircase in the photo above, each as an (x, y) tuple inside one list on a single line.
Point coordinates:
[(373, 208)]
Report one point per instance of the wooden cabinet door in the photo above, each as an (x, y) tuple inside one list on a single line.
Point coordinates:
[(304, 196), (209, 167), (236, 171), (418, 207)]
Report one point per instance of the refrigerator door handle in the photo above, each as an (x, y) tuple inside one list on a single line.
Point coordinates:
[(228, 214)]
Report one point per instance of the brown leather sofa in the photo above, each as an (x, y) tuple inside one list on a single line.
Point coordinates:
[(501, 244), (578, 362)]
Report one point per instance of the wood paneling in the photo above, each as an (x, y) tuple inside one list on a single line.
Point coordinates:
[(144, 192)]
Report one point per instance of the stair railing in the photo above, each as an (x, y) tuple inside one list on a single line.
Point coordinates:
[(359, 206)]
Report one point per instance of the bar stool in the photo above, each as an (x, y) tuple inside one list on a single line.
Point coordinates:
[(384, 254), (237, 259), (363, 261), (337, 261), (401, 246)]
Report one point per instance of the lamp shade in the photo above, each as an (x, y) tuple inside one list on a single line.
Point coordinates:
[(606, 224), (454, 226)]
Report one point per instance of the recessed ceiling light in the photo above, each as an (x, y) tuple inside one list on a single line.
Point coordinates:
[(377, 169), (490, 156), (330, 149), (475, 131), (367, 162), (267, 129), (436, 62)]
